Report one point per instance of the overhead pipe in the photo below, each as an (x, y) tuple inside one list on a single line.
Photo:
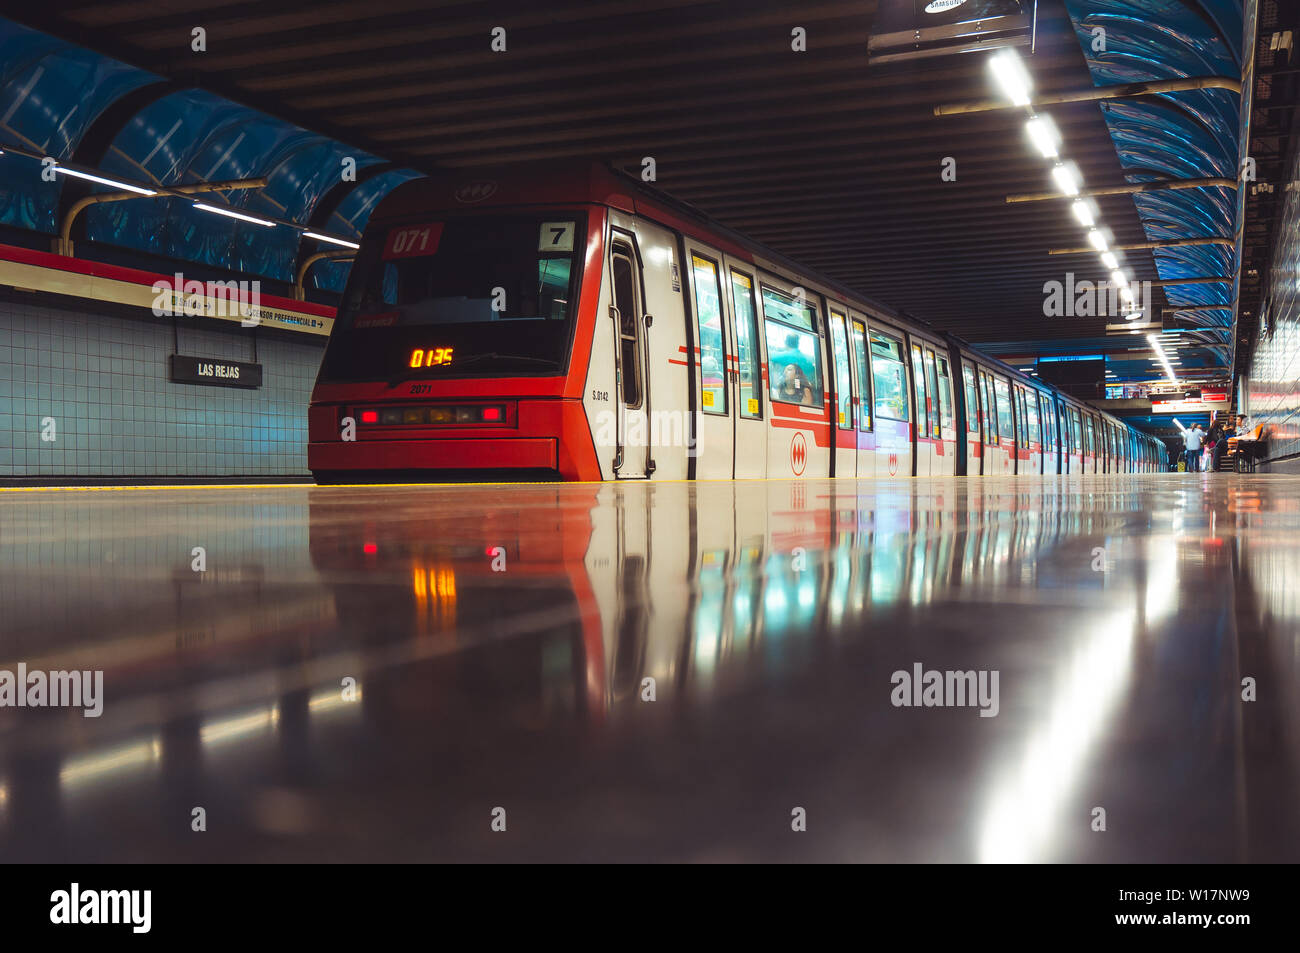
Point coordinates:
[(1094, 93), (299, 292), (1162, 243), (1167, 184), (63, 244)]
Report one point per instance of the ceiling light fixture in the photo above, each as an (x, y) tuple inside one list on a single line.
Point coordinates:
[(1012, 76), (332, 240), (103, 181), (1083, 212), (1067, 178), (231, 214), (1044, 135)]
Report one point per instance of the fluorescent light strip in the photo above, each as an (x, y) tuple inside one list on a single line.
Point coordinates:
[(1160, 352), (1083, 213), (1109, 260), (1042, 132), (239, 215), (1098, 241), (333, 241), (1012, 76), (103, 181), (1067, 179)]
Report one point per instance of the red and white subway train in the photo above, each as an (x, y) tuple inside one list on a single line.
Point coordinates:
[(566, 322)]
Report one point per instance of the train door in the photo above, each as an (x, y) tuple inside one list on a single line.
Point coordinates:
[(989, 418), (632, 453), (750, 451), (1032, 447), (890, 408), (1076, 441), (799, 430), (1006, 430), (1044, 429), (1047, 419), (921, 445), (1089, 444), (974, 442), (1063, 425), (843, 424), (866, 438), (947, 417), (715, 432), (1021, 463)]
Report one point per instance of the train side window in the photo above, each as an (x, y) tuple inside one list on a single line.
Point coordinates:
[(1077, 426), (742, 296), (793, 351), (713, 350), (843, 378), (922, 402), (1031, 411), (628, 326), (932, 384), (1005, 426), (945, 396), (889, 377), (859, 334), (972, 399), (1090, 439)]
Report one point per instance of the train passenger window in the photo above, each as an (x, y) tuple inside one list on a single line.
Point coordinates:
[(1077, 427), (859, 333), (889, 377), (843, 376), (629, 367), (1005, 426), (972, 399), (1031, 411), (1089, 437), (713, 351), (922, 402), (932, 382), (793, 352), (742, 295), (945, 396)]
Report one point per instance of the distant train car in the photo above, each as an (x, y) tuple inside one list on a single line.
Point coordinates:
[(567, 323)]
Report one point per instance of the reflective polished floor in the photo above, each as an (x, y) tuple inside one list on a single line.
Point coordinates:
[(658, 672)]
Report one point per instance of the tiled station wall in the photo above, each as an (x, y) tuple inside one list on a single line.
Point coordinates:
[(101, 372), (1273, 385)]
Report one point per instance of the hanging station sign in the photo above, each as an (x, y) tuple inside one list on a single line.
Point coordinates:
[(213, 372)]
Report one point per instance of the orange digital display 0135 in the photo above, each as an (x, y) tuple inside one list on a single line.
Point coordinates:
[(430, 357)]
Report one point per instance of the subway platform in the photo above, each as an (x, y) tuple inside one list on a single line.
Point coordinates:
[(1002, 669)]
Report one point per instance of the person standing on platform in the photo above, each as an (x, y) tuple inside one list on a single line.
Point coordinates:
[(1216, 442), (1192, 441)]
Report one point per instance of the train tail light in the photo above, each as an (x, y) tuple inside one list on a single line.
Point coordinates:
[(439, 416)]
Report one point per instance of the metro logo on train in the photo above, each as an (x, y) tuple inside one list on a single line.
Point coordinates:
[(574, 324)]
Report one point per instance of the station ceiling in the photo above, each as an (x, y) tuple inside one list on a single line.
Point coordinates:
[(828, 158)]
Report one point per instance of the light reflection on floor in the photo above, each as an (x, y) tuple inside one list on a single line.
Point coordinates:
[(364, 673)]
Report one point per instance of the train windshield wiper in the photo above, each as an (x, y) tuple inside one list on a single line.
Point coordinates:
[(490, 355)]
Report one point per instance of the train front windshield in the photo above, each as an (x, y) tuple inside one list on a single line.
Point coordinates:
[(475, 297)]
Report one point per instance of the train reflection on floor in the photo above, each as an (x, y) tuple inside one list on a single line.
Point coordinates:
[(656, 671)]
